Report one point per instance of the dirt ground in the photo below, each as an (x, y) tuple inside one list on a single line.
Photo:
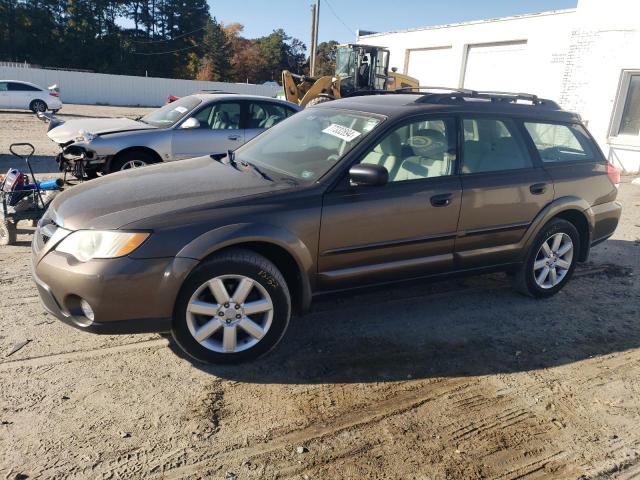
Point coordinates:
[(455, 379)]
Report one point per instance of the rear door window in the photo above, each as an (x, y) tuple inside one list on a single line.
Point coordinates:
[(492, 145), (560, 143), (22, 87)]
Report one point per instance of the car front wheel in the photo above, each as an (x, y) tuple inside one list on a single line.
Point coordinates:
[(550, 261), (233, 308)]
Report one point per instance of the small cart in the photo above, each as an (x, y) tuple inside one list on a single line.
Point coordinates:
[(8, 218)]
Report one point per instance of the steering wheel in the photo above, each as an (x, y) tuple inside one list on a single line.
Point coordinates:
[(334, 157)]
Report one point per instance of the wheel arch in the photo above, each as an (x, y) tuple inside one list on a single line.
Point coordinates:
[(277, 244), (138, 148), (572, 209)]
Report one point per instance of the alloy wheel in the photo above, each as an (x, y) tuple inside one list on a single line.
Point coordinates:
[(553, 260), (229, 313), (133, 164)]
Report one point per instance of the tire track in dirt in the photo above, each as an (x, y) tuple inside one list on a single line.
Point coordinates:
[(55, 358), (372, 414)]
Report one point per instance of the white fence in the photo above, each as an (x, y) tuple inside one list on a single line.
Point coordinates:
[(97, 88)]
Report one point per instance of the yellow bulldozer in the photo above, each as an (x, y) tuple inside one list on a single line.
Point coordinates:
[(359, 69)]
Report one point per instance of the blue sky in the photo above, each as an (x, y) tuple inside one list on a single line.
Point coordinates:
[(260, 17)]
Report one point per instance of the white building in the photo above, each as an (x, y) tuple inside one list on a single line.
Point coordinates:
[(587, 59)]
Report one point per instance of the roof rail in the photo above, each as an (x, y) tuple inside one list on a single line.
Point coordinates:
[(446, 94)]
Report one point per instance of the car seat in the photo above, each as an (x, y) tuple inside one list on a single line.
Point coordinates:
[(385, 154)]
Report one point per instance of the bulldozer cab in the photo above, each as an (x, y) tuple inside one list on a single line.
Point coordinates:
[(361, 67)]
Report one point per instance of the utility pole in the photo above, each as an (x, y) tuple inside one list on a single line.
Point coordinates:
[(312, 48), (315, 25)]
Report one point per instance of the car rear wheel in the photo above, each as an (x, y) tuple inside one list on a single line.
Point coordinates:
[(233, 308), (551, 260), (38, 106), (131, 160)]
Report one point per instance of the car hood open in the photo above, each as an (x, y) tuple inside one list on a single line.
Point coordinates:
[(69, 131), (176, 188)]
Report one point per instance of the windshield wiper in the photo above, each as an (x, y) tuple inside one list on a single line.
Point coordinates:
[(247, 165)]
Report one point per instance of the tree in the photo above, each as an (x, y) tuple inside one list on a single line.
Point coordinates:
[(326, 58), (214, 64), (281, 52), (245, 60)]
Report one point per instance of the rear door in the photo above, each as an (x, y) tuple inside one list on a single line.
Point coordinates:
[(221, 129), (404, 228), (22, 94), (264, 115), (504, 188)]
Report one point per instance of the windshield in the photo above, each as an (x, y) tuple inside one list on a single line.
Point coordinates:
[(308, 144), (172, 113)]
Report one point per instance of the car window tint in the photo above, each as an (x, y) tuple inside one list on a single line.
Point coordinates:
[(423, 149), (560, 143), (3, 86), (266, 115), (492, 145), (22, 87), (225, 116)]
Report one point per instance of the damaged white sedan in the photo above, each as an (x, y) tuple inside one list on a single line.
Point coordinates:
[(192, 126)]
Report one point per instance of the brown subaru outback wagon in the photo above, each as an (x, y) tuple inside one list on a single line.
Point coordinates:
[(373, 189)]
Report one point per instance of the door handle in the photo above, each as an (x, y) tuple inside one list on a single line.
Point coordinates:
[(234, 137), (441, 200), (538, 188)]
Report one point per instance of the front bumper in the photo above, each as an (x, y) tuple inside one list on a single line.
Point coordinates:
[(126, 295)]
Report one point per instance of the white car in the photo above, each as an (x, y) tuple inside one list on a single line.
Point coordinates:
[(27, 96)]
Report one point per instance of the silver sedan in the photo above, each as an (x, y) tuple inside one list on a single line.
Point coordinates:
[(193, 126)]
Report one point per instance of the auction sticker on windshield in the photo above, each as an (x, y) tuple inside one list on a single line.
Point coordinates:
[(343, 133)]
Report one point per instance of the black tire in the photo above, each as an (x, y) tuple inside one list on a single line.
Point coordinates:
[(318, 100), (234, 262), (8, 232), (122, 160), (523, 279), (38, 105)]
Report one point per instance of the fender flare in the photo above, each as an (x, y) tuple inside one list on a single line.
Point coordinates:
[(553, 209), (237, 234)]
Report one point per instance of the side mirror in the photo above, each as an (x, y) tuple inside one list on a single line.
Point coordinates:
[(366, 174), (190, 123)]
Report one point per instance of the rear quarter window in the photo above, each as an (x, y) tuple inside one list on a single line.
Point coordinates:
[(557, 143)]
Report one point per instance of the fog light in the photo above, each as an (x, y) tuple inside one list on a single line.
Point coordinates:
[(87, 310)]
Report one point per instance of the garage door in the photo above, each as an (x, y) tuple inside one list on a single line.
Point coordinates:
[(433, 67), (498, 66)]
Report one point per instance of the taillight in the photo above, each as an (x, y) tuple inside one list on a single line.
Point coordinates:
[(54, 94), (614, 174)]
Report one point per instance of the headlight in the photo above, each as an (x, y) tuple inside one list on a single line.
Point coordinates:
[(88, 244), (84, 136)]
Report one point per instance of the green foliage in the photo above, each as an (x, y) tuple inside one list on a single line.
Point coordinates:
[(161, 38), (326, 58)]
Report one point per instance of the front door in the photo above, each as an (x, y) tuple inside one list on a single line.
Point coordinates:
[(404, 228), (220, 130), (262, 116), (504, 189)]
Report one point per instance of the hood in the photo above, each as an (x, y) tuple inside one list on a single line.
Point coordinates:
[(119, 199), (69, 131)]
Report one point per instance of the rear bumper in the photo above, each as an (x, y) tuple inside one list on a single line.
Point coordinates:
[(606, 217), (126, 295)]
